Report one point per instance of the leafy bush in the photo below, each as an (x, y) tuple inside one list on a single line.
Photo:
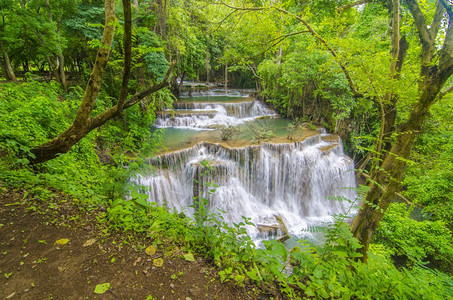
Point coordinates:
[(413, 242)]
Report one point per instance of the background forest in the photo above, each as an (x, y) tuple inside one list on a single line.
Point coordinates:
[(357, 69)]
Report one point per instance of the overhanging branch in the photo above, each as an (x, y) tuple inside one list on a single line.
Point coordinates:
[(100, 119), (332, 51)]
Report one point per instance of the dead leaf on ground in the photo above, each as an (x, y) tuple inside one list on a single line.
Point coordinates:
[(150, 250), (89, 243), (158, 262), (139, 259)]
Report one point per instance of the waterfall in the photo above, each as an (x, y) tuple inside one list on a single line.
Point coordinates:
[(205, 115), (291, 180)]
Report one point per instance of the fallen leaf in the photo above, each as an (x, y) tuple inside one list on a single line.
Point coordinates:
[(158, 262), (150, 250), (11, 295), (62, 269), (137, 261), (89, 243), (102, 288), (189, 257), (62, 242)]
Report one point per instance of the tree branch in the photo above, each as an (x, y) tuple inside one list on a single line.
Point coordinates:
[(100, 119), (224, 19), (395, 47), (240, 8), (280, 39), (448, 7), (443, 93), (426, 39), (329, 48), (127, 40), (351, 84), (438, 16), (94, 83)]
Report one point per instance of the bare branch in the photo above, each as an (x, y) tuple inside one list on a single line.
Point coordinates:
[(241, 8), (137, 97), (224, 19), (252, 69), (283, 36)]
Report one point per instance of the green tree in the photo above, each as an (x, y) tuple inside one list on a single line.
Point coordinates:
[(83, 121)]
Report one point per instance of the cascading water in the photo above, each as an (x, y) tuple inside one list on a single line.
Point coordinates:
[(293, 181), (208, 115)]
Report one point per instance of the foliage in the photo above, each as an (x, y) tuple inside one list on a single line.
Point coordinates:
[(261, 132), (329, 270), (414, 242), (429, 181), (227, 132)]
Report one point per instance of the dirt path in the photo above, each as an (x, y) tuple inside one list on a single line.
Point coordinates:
[(34, 266)]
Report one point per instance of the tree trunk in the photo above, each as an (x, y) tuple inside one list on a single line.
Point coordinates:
[(226, 76), (387, 175), (387, 179), (208, 65), (62, 73), (79, 127), (9, 71)]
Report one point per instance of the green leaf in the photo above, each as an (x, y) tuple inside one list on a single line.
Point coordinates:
[(189, 257), (102, 288)]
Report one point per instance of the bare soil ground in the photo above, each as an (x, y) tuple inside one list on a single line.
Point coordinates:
[(34, 266)]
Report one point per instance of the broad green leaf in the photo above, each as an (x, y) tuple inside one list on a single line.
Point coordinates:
[(62, 242), (102, 288), (189, 257)]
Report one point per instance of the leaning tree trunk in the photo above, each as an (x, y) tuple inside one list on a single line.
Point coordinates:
[(386, 181), (9, 71), (387, 175), (79, 127)]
